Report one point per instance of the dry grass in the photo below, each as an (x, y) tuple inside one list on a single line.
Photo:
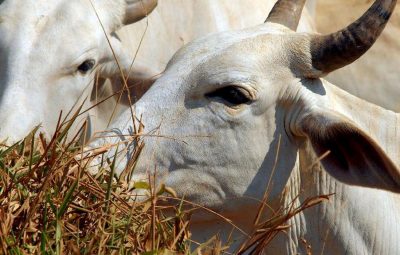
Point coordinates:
[(51, 204)]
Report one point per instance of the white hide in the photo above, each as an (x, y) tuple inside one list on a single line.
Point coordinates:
[(220, 155), (177, 22), (42, 44)]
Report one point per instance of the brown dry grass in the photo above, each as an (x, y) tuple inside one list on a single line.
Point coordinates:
[(51, 204)]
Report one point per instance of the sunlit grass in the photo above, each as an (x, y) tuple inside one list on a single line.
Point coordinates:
[(51, 204)]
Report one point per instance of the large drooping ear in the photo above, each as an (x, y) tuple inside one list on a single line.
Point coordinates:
[(138, 9), (354, 157)]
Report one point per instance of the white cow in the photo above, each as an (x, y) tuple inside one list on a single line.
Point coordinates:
[(214, 120), (153, 41), (365, 79), (48, 51), (177, 22), (48, 54)]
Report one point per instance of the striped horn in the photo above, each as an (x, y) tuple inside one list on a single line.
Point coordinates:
[(334, 51)]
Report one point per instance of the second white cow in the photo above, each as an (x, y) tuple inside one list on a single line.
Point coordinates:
[(49, 54)]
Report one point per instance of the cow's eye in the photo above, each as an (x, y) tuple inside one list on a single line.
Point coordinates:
[(86, 66), (231, 94)]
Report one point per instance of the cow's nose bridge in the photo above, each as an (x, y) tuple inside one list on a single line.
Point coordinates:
[(15, 123), (13, 88), (17, 104), (3, 72), (15, 66)]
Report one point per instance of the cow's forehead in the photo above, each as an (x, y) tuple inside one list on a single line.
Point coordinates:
[(223, 46), (29, 20), (33, 14), (58, 29), (18, 11)]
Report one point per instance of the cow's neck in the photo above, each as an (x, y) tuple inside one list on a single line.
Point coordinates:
[(356, 220)]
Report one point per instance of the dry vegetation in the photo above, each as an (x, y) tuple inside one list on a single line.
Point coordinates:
[(51, 204)]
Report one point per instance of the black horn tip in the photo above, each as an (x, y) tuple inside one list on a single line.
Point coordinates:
[(334, 51)]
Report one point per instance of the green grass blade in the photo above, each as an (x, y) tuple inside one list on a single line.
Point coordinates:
[(67, 199)]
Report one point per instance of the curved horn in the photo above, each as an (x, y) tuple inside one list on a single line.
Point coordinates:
[(287, 13), (334, 51), (138, 9)]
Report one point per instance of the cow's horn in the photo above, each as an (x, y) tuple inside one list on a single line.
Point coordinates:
[(287, 13), (334, 51), (138, 9)]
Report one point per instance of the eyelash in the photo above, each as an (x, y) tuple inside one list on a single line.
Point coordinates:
[(230, 94)]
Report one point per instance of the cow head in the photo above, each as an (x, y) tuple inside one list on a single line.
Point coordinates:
[(228, 103), (50, 52)]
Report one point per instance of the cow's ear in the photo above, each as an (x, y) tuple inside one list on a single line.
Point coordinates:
[(116, 61), (138, 9), (354, 157), (117, 67)]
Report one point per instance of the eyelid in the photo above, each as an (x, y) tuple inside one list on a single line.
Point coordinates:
[(73, 65), (245, 88), (238, 97), (89, 54), (244, 91)]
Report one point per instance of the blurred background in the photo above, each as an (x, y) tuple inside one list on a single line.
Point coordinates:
[(376, 76)]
